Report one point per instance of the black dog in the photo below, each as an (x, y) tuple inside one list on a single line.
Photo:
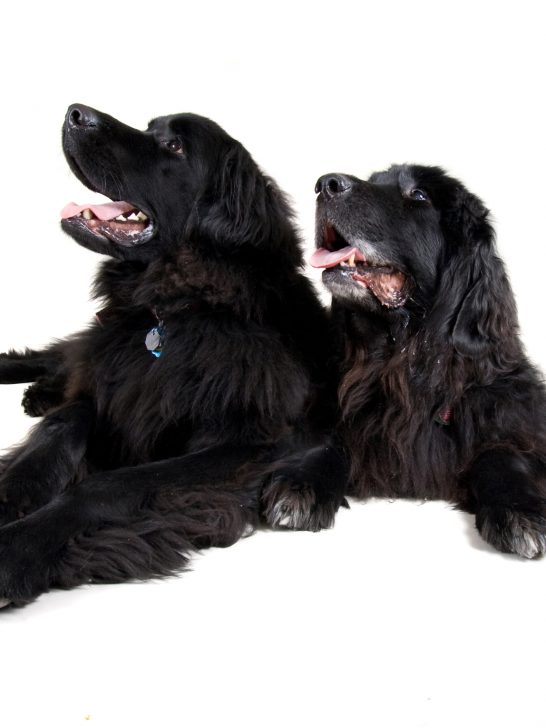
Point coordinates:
[(206, 362), (438, 399)]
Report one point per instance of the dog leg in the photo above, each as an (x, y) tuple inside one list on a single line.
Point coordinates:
[(46, 463), (18, 367), (131, 523), (43, 368), (306, 492), (507, 492)]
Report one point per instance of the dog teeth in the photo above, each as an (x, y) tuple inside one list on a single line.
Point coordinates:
[(349, 263), (133, 217)]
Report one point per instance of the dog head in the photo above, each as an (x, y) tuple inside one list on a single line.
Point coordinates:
[(412, 242), (182, 179)]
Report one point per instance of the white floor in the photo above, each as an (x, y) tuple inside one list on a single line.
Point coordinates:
[(399, 616)]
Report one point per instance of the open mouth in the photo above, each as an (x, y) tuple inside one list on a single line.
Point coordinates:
[(120, 222), (389, 285)]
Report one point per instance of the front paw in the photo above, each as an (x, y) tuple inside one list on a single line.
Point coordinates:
[(39, 399), (513, 531), (291, 501)]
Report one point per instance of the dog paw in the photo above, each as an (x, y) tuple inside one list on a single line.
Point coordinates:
[(39, 399), (512, 531), (291, 502)]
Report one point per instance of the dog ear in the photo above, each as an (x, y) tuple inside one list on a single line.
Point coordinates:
[(242, 206), (485, 313), (475, 329)]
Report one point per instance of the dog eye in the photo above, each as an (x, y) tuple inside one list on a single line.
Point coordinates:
[(173, 145), (419, 195)]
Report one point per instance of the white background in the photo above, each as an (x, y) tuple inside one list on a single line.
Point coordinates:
[(400, 615)]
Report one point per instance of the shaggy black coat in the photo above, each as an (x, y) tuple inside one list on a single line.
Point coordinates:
[(438, 399), (142, 458)]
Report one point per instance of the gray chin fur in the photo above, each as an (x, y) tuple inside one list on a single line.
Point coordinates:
[(346, 290)]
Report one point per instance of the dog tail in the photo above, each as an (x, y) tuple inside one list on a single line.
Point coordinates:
[(159, 540)]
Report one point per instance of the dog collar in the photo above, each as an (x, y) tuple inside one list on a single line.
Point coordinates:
[(444, 415), (102, 316), (155, 338)]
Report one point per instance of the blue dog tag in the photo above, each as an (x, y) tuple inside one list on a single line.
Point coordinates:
[(155, 339)]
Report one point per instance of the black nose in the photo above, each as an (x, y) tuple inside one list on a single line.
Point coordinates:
[(332, 185), (79, 115)]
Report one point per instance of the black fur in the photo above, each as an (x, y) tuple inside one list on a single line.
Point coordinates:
[(437, 396), (143, 459)]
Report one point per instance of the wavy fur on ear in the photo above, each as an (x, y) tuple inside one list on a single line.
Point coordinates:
[(487, 313), (474, 309), (244, 207)]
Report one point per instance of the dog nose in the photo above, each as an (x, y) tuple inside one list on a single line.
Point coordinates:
[(332, 185), (79, 115)]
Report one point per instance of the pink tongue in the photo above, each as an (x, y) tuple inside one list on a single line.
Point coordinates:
[(107, 211), (323, 258)]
